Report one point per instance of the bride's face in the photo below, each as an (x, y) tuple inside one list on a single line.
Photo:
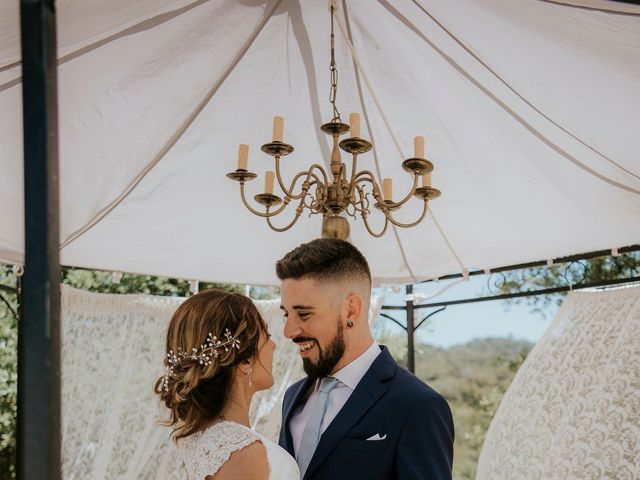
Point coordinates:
[(262, 369)]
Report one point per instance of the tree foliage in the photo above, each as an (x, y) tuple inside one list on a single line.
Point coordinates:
[(8, 373), (596, 270)]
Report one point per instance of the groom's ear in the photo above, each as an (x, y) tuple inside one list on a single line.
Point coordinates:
[(353, 307)]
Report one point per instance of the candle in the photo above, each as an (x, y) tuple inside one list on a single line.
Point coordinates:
[(354, 122), (426, 180), (387, 189), (268, 182), (278, 129), (243, 156), (418, 145)]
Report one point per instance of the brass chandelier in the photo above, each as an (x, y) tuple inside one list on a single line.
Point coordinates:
[(340, 191)]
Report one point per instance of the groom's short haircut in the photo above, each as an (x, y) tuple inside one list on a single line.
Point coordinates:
[(324, 259)]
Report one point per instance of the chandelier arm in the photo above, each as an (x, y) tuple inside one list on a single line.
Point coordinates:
[(407, 225), (299, 210), (362, 202), (409, 195), (324, 174), (289, 192), (367, 176), (261, 214), (362, 177), (364, 199), (368, 227), (314, 205)]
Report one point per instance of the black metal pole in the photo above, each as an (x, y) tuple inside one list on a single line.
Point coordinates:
[(39, 325), (411, 356)]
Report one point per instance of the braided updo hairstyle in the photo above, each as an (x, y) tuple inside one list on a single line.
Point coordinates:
[(196, 393)]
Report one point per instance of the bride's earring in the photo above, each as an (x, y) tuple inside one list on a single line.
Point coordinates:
[(250, 370)]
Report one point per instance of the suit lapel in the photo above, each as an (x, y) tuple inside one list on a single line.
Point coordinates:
[(366, 394), (298, 397)]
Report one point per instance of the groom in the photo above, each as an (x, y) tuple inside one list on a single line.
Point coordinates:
[(357, 415)]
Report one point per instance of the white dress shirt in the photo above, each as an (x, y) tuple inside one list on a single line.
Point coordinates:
[(349, 376)]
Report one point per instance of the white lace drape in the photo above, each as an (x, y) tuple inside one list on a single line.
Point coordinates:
[(112, 352), (573, 409)]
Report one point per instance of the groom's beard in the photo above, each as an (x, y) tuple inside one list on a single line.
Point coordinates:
[(327, 359)]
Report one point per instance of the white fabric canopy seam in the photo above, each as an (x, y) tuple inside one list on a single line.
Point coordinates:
[(410, 26), (177, 135), (142, 26), (508, 85), (611, 11), (358, 68), (9, 66)]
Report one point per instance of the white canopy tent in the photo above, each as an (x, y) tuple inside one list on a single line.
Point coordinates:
[(530, 110)]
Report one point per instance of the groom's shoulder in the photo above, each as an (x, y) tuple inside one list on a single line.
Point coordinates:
[(406, 385)]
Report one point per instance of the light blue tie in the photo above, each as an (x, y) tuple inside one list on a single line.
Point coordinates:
[(311, 432)]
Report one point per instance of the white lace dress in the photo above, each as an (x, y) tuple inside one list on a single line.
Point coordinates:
[(205, 452)]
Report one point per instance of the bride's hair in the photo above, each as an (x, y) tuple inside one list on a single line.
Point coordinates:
[(195, 388)]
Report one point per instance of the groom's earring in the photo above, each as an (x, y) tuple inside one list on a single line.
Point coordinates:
[(349, 324)]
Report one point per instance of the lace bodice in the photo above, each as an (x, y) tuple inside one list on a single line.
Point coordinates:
[(206, 451)]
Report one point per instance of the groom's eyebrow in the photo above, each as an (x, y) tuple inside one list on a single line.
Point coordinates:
[(297, 307)]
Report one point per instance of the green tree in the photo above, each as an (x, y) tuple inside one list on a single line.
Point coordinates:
[(594, 270), (8, 373)]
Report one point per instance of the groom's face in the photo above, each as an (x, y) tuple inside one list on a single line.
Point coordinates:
[(313, 322)]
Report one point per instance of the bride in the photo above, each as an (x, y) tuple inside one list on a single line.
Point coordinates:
[(219, 353)]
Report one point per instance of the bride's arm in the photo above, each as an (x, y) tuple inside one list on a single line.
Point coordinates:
[(248, 463)]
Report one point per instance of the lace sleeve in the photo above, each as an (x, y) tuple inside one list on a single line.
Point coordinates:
[(205, 452)]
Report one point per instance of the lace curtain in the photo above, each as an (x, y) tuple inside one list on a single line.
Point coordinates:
[(573, 409), (112, 352)]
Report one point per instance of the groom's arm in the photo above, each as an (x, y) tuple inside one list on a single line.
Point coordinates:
[(425, 448)]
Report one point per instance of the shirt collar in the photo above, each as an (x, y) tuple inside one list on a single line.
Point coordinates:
[(352, 373)]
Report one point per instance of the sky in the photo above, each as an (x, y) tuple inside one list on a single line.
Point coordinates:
[(459, 324)]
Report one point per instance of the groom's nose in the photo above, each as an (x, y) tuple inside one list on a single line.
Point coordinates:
[(291, 328)]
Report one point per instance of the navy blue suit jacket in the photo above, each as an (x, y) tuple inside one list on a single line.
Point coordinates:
[(388, 401)]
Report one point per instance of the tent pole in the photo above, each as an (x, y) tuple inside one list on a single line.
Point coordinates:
[(411, 358), (38, 435)]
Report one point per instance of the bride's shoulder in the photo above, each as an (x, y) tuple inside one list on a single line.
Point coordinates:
[(249, 463), (224, 450)]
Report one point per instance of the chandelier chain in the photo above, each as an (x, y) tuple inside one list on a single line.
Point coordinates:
[(333, 92)]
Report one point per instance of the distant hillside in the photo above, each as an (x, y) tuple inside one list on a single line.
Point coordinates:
[(473, 378)]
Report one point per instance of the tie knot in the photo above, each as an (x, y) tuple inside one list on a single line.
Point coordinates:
[(328, 383)]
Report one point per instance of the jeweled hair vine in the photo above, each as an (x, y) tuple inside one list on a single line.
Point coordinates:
[(202, 355)]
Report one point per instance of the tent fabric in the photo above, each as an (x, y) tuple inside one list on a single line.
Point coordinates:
[(529, 110), (572, 408)]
